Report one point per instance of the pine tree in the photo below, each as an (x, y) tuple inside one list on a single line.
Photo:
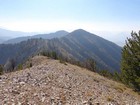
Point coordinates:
[(130, 64)]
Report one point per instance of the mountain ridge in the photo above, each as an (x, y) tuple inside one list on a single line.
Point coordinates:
[(91, 43), (56, 34), (79, 45), (6, 34)]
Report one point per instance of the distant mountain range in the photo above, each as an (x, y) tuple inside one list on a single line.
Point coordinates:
[(8, 34), (79, 45), (57, 34), (1, 40), (12, 37), (4, 38)]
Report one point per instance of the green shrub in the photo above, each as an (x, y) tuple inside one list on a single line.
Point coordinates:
[(20, 67), (62, 61)]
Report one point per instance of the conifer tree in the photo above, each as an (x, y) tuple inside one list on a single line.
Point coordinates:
[(130, 64)]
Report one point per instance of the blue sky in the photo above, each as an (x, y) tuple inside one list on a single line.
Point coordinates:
[(53, 15)]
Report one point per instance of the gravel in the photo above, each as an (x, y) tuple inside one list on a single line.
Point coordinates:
[(54, 83)]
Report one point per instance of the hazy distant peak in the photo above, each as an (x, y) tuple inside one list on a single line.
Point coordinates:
[(56, 34), (62, 31), (80, 31)]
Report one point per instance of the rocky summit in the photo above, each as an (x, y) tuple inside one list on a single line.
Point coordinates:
[(49, 82)]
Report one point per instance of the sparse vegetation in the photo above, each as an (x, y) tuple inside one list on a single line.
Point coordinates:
[(90, 64), (1, 70), (51, 54), (9, 65), (31, 65), (119, 88), (62, 61), (106, 73), (20, 67)]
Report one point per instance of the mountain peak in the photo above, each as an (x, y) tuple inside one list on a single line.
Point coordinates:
[(61, 31), (80, 30)]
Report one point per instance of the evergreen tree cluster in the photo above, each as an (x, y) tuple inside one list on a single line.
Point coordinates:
[(130, 64)]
